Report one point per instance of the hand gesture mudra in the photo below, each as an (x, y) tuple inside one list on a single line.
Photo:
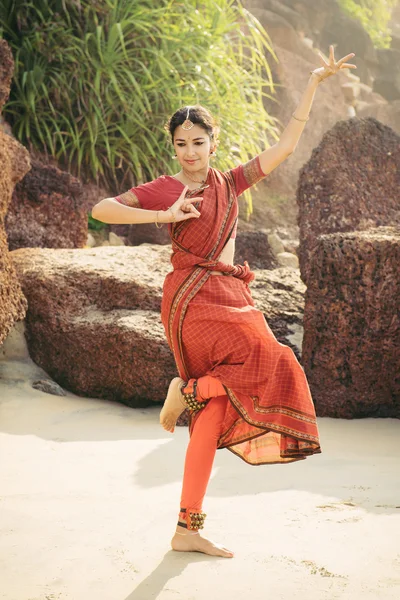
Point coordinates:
[(332, 67), (183, 208)]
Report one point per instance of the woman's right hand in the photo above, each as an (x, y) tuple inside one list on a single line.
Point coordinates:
[(182, 209)]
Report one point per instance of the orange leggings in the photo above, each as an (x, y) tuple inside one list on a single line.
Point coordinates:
[(203, 443)]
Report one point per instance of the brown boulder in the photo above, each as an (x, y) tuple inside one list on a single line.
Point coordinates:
[(351, 182), (6, 72), (47, 210), (148, 233), (93, 321), (14, 160), (279, 295), (351, 345), (254, 247)]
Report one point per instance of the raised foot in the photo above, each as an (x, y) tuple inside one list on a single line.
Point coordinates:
[(173, 406), (196, 543)]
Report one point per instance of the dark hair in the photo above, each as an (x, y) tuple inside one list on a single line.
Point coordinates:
[(199, 116)]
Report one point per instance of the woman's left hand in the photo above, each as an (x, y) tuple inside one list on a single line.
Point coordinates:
[(332, 67)]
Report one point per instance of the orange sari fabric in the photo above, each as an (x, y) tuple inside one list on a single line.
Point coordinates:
[(213, 329)]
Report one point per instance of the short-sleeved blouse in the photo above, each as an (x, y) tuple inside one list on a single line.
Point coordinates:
[(163, 192)]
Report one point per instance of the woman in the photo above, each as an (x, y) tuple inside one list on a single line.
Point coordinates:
[(245, 391)]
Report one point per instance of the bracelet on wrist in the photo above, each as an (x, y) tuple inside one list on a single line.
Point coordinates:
[(158, 225), (320, 79), (173, 215), (302, 120)]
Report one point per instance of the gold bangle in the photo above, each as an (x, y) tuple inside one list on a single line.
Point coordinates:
[(173, 216), (302, 120), (157, 223), (320, 79)]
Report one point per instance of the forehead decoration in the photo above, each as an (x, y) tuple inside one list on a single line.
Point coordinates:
[(187, 123)]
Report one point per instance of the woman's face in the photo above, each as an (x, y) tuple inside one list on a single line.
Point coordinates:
[(192, 147)]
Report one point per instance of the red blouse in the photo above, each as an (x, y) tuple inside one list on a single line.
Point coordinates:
[(163, 192)]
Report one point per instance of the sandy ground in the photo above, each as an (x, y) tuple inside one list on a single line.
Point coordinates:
[(90, 492)]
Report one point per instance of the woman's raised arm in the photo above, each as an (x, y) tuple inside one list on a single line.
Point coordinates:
[(272, 157)]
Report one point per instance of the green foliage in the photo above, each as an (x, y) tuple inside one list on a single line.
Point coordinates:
[(95, 225), (374, 15), (96, 80)]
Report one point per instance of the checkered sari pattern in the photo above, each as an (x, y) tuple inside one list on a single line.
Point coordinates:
[(214, 329)]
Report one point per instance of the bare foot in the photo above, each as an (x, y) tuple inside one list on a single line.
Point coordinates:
[(174, 405), (191, 542)]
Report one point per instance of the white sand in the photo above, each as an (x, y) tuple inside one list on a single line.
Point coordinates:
[(90, 493)]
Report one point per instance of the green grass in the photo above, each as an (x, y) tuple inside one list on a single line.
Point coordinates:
[(95, 81)]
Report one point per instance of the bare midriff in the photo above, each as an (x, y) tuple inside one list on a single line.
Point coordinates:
[(227, 255)]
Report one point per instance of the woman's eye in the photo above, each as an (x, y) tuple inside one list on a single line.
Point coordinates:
[(180, 145), (199, 143)]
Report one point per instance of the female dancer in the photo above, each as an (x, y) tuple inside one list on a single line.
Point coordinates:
[(245, 391)]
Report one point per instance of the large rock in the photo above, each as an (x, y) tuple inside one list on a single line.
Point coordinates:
[(279, 294), (6, 72), (47, 210), (387, 113), (254, 247), (288, 13), (14, 160), (93, 322), (351, 345), (94, 325), (148, 233), (351, 182), (387, 81)]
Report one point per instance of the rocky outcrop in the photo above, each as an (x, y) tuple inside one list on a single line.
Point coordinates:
[(274, 198), (351, 345), (387, 81), (254, 247), (93, 322), (326, 23), (14, 160), (279, 294), (148, 233), (387, 113), (298, 30), (47, 210), (94, 325), (351, 182), (6, 72)]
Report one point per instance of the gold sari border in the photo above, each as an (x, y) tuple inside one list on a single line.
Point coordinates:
[(128, 199), (252, 171)]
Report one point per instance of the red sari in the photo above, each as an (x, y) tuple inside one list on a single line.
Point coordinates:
[(213, 328)]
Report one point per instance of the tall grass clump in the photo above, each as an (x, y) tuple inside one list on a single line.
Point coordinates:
[(96, 80)]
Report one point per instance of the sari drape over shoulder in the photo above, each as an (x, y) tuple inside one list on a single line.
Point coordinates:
[(213, 328)]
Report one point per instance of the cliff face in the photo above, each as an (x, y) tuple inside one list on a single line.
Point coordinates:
[(14, 160)]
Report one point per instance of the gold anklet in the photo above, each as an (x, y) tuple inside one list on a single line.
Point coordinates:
[(188, 533), (189, 394)]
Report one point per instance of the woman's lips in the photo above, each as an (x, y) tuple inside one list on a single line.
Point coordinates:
[(190, 162)]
